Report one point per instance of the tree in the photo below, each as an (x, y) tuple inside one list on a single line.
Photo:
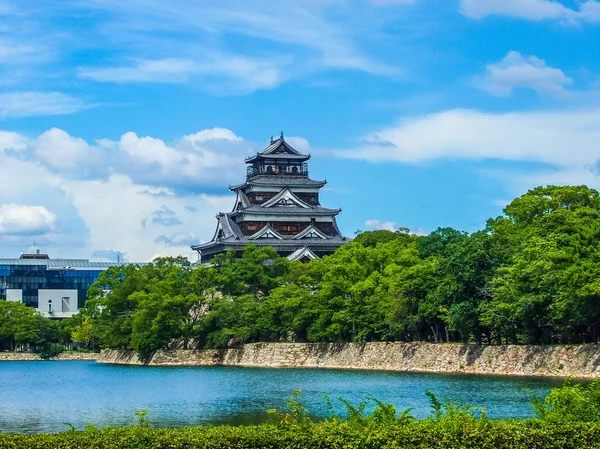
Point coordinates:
[(83, 332), (21, 325)]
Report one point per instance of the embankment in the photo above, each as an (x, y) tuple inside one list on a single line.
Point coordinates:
[(561, 361), (30, 356)]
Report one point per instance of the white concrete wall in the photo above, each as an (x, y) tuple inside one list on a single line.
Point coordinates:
[(55, 297), (14, 294)]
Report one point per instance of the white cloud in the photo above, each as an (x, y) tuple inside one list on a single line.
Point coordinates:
[(193, 160), (299, 144), (231, 72), (378, 225), (566, 143), (530, 9), (501, 203), (191, 42), (381, 225), (26, 104), (58, 149), (561, 138), (285, 40), (143, 200), (212, 134), (168, 70), (11, 140), (590, 11), (518, 72), (208, 157), (25, 220), (113, 211)]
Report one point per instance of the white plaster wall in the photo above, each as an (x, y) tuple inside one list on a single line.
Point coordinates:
[(14, 294), (47, 295)]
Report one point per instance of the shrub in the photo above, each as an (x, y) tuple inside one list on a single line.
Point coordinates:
[(50, 350), (571, 402), (331, 434)]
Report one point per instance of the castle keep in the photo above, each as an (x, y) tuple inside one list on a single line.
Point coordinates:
[(277, 206)]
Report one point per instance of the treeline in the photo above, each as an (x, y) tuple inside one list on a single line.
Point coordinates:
[(531, 276)]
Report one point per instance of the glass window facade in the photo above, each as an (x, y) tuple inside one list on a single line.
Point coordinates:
[(31, 278)]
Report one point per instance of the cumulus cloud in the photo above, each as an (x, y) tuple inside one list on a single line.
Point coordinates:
[(531, 9), (12, 141), (16, 219), (191, 161), (518, 72), (209, 157), (207, 135), (381, 225), (27, 104), (59, 150), (299, 144), (119, 195), (113, 209)]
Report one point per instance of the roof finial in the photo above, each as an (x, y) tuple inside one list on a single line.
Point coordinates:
[(282, 135), (271, 139)]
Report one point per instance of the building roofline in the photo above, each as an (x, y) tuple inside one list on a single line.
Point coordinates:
[(277, 181)]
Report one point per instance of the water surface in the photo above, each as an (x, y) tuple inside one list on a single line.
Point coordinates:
[(45, 396)]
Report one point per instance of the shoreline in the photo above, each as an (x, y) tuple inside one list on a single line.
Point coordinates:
[(34, 357), (560, 361)]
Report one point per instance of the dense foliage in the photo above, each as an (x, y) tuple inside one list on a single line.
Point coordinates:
[(451, 425), (23, 327), (497, 435), (532, 276)]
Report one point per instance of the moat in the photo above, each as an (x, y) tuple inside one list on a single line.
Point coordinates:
[(45, 396)]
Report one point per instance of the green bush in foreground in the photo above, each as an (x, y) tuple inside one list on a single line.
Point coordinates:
[(331, 434)]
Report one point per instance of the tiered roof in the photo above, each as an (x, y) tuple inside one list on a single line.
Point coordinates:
[(279, 149), (284, 207)]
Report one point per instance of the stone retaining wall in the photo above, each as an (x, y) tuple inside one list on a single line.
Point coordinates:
[(562, 361), (30, 356)]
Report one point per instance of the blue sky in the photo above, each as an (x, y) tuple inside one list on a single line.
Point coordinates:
[(122, 123)]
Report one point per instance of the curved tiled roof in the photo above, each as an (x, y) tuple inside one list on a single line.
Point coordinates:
[(287, 210), (279, 181), (279, 149)]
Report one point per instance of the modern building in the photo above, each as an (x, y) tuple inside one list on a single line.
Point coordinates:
[(57, 288), (277, 206)]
